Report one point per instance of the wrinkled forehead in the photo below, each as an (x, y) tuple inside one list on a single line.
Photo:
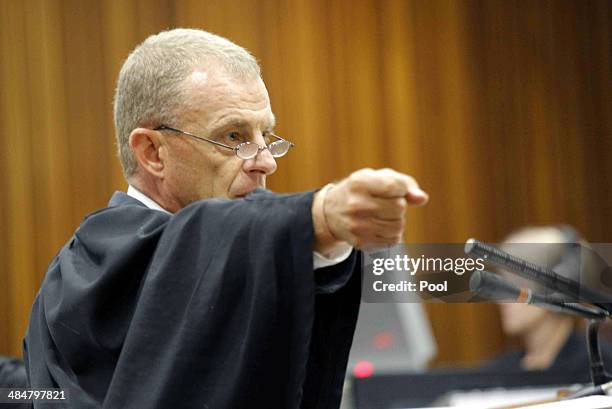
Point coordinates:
[(209, 88), (212, 95)]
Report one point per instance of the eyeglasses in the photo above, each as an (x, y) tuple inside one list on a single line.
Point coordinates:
[(244, 150)]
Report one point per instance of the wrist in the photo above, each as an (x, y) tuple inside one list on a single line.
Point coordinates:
[(325, 241)]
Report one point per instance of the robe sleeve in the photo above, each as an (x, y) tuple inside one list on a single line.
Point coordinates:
[(334, 325)]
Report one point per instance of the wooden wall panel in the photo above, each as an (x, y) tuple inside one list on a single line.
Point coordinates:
[(302, 77), (17, 142), (500, 108), (51, 215), (88, 138), (5, 276)]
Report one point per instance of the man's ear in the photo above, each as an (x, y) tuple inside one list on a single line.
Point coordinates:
[(145, 144)]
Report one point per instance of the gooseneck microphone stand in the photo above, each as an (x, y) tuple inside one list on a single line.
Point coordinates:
[(599, 376), (602, 307)]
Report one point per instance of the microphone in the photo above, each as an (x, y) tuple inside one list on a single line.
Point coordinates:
[(493, 287), (544, 276)]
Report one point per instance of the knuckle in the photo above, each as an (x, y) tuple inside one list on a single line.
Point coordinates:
[(390, 173), (353, 177), (361, 173), (354, 206), (411, 182), (387, 185), (356, 180)]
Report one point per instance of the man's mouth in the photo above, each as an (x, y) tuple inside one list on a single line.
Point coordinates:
[(244, 193), (244, 190)]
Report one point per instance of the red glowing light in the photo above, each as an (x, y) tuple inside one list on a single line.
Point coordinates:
[(384, 340), (363, 369)]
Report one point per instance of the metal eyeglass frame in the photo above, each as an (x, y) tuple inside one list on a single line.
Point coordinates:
[(236, 148)]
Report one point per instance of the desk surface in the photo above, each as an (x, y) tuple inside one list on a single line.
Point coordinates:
[(589, 402)]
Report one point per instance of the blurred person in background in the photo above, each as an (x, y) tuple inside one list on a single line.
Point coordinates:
[(549, 340)]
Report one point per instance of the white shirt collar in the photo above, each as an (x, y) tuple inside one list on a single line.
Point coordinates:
[(146, 200)]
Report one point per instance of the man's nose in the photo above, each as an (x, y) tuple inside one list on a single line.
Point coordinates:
[(263, 162)]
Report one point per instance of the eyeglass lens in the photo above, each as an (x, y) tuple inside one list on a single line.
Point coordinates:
[(249, 150)]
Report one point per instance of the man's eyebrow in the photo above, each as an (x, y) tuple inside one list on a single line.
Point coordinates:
[(231, 122), (241, 123)]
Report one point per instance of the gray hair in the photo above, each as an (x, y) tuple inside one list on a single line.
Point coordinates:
[(151, 86)]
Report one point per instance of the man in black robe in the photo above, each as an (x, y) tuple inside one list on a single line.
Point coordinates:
[(198, 288)]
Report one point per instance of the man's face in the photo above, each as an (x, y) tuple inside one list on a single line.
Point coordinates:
[(228, 111)]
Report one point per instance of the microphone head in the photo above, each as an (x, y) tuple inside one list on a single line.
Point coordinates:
[(492, 286), (470, 244), (476, 280)]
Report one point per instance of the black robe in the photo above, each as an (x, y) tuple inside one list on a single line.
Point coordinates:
[(12, 373), (216, 306)]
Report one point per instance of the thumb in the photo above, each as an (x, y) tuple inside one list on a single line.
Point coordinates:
[(416, 196)]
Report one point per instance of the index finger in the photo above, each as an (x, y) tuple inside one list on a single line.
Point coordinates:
[(388, 183)]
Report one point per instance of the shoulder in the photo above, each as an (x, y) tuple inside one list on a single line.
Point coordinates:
[(506, 362), (123, 213), (119, 228)]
